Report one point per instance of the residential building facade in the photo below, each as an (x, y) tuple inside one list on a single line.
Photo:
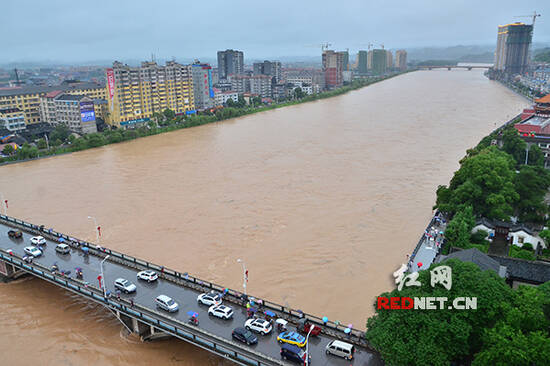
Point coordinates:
[(12, 119), (333, 66), (362, 62), (27, 98), (271, 68), (136, 93), (202, 85), (221, 97), (401, 60), (379, 61), (230, 62), (77, 112)]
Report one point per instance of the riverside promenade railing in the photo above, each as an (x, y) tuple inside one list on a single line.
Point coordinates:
[(330, 328)]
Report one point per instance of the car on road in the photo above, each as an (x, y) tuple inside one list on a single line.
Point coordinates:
[(221, 311), (124, 285), (294, 353), (166, 303), (341, 349), (62, 248), (291, 337), (16, 234), (32, 251), (304, 326), (38, 240), (258, 325), (244, 336), (210, 298), (147, 275)]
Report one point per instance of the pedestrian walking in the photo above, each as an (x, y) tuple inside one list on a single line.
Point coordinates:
[(118, 295), (132, 302)]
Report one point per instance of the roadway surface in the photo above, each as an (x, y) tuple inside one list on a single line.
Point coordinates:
[(184, 296)]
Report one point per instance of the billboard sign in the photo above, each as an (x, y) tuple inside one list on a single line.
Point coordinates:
[(87, 113), (134, 121), (111, 83)]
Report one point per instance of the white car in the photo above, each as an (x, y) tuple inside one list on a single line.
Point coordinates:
[(63, 249), (124, 285), (167, 303), (38, 240), (32, 251), (258, 325), (147, 275), (210, 298), (221, 311)]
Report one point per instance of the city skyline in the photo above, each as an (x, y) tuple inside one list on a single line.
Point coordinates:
[(132, 30)]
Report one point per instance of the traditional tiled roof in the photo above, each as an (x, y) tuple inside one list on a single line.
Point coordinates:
[(475, 256), (535, 272), (544, 100)]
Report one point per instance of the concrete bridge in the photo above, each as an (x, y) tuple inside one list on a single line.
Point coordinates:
[(138, 313)]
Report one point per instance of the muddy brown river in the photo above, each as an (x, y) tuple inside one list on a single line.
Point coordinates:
[(321, 200)]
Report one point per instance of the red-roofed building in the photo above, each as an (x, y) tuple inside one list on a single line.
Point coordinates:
[(542, 106), (527, 112)]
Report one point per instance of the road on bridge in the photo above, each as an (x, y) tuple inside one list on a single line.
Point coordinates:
[(184, 296)]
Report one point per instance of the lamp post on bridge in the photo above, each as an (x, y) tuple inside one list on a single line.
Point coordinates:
[(103, 276), (245, 274), (97, 232), (307, 344)]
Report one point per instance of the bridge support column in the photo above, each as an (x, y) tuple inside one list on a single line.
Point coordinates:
[(9, 273), (146, 332)]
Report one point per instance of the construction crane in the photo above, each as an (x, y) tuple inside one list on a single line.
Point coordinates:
[(534, 16), (324, 46)]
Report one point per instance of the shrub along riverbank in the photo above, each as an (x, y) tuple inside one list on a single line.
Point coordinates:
[(61, 142)]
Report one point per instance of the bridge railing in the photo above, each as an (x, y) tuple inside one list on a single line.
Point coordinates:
[(333, 328), (196, 335)]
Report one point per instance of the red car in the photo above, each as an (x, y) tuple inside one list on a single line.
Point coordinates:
[(15, 234), (304, 326)]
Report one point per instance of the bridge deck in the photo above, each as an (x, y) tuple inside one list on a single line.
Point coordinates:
[(184, 295)]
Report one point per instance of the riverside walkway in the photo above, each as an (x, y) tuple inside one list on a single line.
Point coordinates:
[(138, 313)]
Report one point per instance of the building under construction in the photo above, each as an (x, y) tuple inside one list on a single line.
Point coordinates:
[(513, 48)]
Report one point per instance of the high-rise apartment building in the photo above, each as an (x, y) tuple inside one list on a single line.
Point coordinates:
[(230, 62), (362, 62), (257, 84), (333, 66), (401, 59), (389, 60), (379, 61), (202, 85), (345, 60), (513, 46), (135, 93), (271, 68)]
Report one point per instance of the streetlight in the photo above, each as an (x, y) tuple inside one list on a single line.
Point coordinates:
[(245, 277), (96, 228), (307, 343), (103, 276)]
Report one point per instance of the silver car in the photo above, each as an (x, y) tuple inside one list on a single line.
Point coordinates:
[(63, 249), (124, 285), (32, 251), (166, 303)]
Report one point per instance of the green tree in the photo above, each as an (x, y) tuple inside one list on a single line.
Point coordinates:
[(437, 337), (514, 145), (60, 132), (8, 150), (298, 93), (169, 114), (536, 156), (41, 144), (95, 140), (532, 183), (241, 103), (484, 181), (257, 101), (459, 228)]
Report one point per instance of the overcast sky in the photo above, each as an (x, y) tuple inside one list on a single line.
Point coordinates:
[(41, 30)]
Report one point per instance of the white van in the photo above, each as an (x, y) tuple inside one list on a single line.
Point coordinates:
[(339, 348)]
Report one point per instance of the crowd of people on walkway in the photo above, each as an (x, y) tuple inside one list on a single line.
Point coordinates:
[(433, 238)]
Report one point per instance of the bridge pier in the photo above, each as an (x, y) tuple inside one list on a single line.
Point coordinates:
[(146, 332), (9, 273)]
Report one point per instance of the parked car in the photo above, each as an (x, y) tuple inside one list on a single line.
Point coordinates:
[(292, 338), (16, 234), (32, 251), (38, 240), (62, 248), (166, 303), (124, 285), (339, 348), (148, 275), (258, 325), (221, 311), (210, 298), (294, 353), (244, 336), (304, 327)]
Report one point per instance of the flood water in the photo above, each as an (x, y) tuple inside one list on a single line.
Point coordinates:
[(321, 200)]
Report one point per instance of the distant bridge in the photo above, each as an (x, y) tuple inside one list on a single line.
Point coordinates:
[(458, 66)]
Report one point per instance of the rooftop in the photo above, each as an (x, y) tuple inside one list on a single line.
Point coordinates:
[(535, 272), (475, 256), (38, 89), (544, 100)]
